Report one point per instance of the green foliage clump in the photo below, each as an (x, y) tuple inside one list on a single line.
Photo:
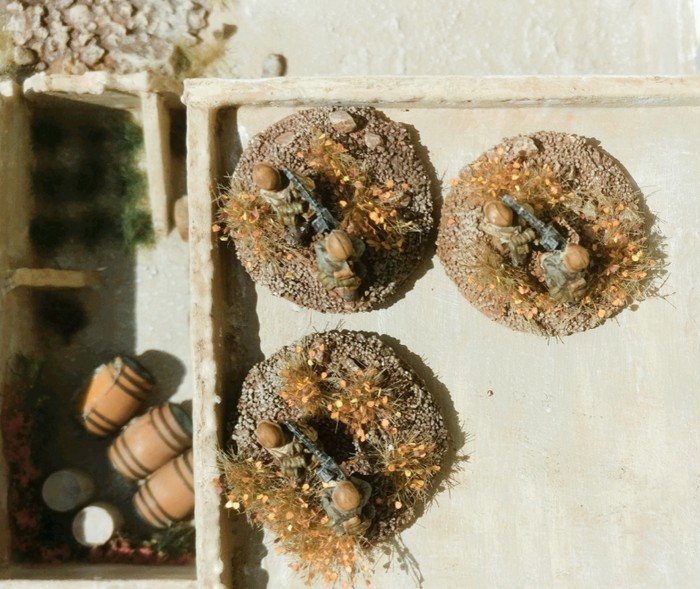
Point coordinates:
[(89, 180), (136, 227)]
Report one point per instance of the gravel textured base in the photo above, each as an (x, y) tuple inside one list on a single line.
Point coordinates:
[(123, 36), (585, 172), (386, 148), (414, 409)]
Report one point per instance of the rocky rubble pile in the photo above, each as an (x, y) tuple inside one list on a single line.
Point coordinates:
[(123, 36)]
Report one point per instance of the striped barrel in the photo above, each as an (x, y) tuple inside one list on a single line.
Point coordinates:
[(167, 495), (115, 394), (149, 441)]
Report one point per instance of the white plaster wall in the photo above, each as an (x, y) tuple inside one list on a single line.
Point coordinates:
[(465, 37), (162, 308)]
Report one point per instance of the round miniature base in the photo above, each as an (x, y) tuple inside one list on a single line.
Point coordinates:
[(577, 188), (366, 173), (373, 416)]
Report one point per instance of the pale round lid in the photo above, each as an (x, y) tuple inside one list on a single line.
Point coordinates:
[(67, 489), (96, 524)]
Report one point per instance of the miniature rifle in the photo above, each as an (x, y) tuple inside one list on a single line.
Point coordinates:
[(323, 221), (550, 239), (328, 469)]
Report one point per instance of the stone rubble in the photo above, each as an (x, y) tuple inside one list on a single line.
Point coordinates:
[(122, 36)]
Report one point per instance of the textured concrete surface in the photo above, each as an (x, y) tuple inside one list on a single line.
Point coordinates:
[(468, 37)]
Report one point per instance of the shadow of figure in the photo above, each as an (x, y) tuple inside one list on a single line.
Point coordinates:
[(248, 553), (168, 371), (397, 551)]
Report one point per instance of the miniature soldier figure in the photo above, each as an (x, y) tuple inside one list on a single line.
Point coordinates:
[(338, 258), (291, 454), (284, 198), (498, 222), (565, 273), (347, 505)]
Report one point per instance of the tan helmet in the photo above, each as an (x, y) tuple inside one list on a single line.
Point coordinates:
[(270, 434), (498, 213), (345, 496), (267, 177), (575, 258), (339, 245)]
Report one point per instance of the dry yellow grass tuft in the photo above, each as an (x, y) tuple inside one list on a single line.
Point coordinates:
[(615, 234)]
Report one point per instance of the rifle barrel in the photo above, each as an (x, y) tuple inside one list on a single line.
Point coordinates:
[(549, 238), (323, 221), (329, 469)]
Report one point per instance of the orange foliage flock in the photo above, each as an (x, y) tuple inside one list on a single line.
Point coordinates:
[(363, 404), (614, 232)]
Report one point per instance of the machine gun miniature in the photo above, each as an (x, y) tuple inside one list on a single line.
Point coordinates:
[(549, 238), (323, 221), (328, 469)]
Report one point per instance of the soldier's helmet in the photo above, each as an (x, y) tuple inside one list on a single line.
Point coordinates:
[(575, 258), (267, 177), (498, 213), (270, 434), (338, 245), (345, 496)]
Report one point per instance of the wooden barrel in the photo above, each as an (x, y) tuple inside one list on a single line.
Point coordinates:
[(167, 495), (96, 524), (67, 489), (149, 441), (115, 394)]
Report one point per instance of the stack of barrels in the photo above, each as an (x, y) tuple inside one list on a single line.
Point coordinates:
[(154, 449)]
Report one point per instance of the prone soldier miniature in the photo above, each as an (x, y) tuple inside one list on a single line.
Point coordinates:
[(565, 273), (284, 197), (344, 498), (346, 502), (292, 456), (338, 259), (498, 222)]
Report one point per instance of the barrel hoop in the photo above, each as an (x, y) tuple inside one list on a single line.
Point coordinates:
[(138, 369), (156, 504), (139, 384), (129, 392), (181, 473), (134, 383), (147, 512), (94, 413), (179, 437), (120, 448), (102, 429)]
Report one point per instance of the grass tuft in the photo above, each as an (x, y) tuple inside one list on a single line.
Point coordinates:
[(614, 232)]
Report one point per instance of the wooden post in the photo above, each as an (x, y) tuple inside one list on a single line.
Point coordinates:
[(155, 118), (52, 278)]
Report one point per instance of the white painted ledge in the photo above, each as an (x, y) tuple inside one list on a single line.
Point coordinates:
[(446, 92)]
